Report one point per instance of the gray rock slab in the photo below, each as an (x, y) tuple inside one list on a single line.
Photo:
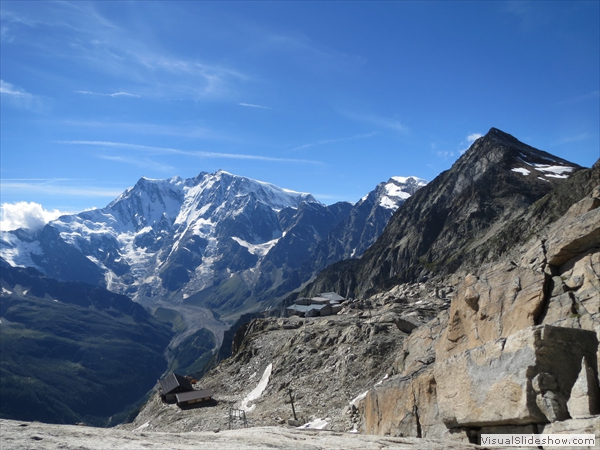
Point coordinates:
[(35, 435)]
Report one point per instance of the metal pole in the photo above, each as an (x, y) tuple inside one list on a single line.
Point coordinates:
[(292, 400)]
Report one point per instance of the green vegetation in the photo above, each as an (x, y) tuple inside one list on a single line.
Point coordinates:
[(228, 295), (171, 317), (193, 353), (64, 362)]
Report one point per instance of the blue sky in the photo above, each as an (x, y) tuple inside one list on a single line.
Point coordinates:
[(323, 97)]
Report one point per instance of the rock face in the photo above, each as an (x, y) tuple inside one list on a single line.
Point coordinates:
[(328, 363), (513, 380), (40, 436)]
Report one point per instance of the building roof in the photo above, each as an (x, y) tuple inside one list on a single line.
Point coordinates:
[(305, 308), (174, 381), (332, 296), (193, 395)]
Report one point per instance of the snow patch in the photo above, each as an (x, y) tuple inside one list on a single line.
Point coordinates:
[(404, 180), (257, 391), (358, 398), (256, 249), (555, 171), (141, 427), (382, 380), (6, 291), (17, 252), (393, 190), (521, 171), (317, 424)]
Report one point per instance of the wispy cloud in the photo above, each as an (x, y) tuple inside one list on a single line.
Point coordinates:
[(79, 33), (445, 154), (379, 121), (593, 95), (144, 163), (114, 94), (529, 14), (250, 105), (463, 146), (17, 96), (12, 90), (335, 141), (199, 154), (570, 139), (191, 129), (466, 144), (57, 187)]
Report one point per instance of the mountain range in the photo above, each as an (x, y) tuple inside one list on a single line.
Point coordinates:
[(200, 253), (220, 241), (196, 253)]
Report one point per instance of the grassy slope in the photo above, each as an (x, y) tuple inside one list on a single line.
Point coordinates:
[(65, 363)]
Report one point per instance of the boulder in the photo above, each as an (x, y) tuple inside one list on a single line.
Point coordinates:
[(585, 398), (575, 233), (418, 349), (404, 406), (514, 380)]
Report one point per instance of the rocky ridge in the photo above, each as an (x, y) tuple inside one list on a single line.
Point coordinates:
[(444, 226)]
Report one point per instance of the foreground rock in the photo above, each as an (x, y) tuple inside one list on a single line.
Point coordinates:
[(517, 352), (35, 435)]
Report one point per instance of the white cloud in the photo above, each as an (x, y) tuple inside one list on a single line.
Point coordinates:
[(253, 106), (28, 215), (200, 154), (17, 96), (466, 144), (473, 137), (11, 89), (336, 140), (114, 94)]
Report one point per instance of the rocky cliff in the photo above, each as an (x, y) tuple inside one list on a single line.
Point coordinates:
[(517, 352)]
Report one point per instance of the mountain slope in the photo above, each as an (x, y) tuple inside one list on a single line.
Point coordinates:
[(72, 352), (493, 182)]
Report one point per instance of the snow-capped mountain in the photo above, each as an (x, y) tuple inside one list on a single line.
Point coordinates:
[(218, 240)]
